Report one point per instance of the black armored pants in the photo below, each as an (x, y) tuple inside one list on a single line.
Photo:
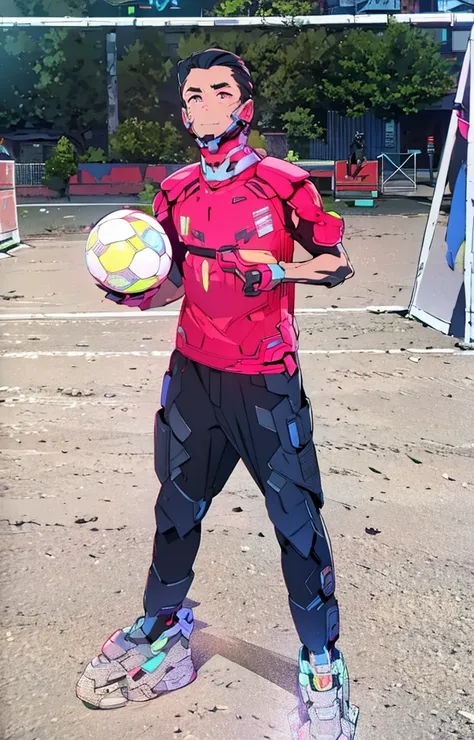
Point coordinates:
[(208, 421)]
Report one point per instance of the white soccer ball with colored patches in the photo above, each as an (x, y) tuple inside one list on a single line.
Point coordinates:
[(129, 252)]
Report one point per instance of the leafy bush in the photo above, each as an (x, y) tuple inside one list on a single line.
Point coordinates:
[(146, 209), (292, 156), (94, 154), (301, 123), (148, 193), (60, 166), (147, 141), (256, 140), (192, 154)]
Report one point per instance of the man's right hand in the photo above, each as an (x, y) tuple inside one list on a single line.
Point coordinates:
[(133, 300)]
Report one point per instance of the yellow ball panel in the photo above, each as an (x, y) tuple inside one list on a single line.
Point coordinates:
[(117, 257), (139, 226), (137, 242), (142, 285), (92, 239)]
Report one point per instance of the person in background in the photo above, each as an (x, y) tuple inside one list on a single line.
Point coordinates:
[(4, 153)]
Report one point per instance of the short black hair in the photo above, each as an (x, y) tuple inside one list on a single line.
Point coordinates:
[(217, 58)]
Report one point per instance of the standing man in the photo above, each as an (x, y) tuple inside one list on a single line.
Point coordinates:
[(233, 391)]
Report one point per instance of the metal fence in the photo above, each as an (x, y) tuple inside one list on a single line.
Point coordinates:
[(398, 173), (29, 174)]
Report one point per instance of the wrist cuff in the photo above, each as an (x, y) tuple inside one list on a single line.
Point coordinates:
[(278, 273)]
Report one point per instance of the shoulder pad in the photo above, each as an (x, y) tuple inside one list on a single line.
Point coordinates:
[(175, 183), (281, 175)]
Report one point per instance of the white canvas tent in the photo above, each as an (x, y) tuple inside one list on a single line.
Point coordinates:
[(444, 297)]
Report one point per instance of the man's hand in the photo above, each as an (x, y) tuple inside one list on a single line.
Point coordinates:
[(143, 301), (262, 277), (258, 269)]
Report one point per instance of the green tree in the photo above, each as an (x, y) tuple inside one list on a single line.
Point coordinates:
[(391, 73), (413, 72), (351, 84), (141, 72), (18, 54), (300, 123), (71, 87), (60, 167), (275, 8), (57, 79), (57, 76), (58, 8), (355, 71), (148, 142)]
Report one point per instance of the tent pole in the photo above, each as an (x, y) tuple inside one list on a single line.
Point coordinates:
[(469, 249)]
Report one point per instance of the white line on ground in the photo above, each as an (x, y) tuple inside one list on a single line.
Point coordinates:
[(49, 206), (160, 313), (12, 251), (167, 353)]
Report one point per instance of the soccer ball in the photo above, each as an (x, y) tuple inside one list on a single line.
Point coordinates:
[(129, 252)]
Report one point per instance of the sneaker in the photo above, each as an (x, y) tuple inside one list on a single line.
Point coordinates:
[(324, 712), (131, 668)]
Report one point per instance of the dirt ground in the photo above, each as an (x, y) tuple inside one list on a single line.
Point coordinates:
[(395, 440)]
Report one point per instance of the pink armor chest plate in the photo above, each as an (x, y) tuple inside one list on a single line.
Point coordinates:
[(219, 326)]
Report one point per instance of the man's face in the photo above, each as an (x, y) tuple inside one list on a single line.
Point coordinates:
[(210, 97)]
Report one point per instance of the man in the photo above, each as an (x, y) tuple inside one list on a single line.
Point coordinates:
[(233, 391), (357, 156), (4, 154)]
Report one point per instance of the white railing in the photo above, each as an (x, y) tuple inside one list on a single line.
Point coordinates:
[(398, 173), (439, 20), (29, 174)]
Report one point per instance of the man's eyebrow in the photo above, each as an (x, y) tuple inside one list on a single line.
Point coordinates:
[(219, 85), (193, 89)]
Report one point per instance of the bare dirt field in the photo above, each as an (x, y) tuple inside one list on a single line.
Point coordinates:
[(80, 384)]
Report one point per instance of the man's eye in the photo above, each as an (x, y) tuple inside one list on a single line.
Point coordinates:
[(195, 99), (223, 95)]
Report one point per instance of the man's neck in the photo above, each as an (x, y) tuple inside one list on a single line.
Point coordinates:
[(233, 156)]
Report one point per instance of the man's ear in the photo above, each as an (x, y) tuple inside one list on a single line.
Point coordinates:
[(247, 110), (184, 117)]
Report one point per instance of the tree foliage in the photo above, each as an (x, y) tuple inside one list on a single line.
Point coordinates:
[(61, 166), (147, 141), (58, 8), (301, 73), (93, 154), (399, 71), (57, 77), (141, 72), (300, 123), (265, 8), (284, 68)]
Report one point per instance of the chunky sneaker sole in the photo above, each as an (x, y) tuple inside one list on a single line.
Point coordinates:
[(130, 668), (323, 714)]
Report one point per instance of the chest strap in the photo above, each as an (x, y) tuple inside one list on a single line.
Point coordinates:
[(209, 253)]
